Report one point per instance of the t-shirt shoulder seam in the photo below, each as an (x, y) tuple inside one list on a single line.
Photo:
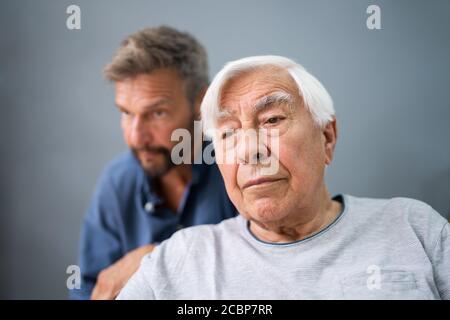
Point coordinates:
[(439, 236), (430, 212)]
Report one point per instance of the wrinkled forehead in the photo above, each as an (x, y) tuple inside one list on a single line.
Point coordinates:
[(250, 86)]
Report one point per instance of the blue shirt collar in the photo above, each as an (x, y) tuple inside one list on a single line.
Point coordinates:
[(148, 191)]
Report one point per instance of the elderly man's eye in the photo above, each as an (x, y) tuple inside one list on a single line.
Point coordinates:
[(227, 133), (274, 120)]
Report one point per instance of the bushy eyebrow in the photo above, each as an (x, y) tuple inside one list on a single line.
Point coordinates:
[(273, 98), (223, 114), (262, 104)]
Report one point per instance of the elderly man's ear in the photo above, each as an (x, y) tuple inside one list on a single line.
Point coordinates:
[(330, 137), (198, 102)]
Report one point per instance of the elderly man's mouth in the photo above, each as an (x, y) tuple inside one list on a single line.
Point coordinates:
[(260, 182)]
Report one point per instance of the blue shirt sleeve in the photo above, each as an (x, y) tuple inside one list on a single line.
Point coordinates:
[(100, 244)]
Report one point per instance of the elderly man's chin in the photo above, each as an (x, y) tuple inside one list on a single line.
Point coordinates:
[(265, 211), (265, 206)]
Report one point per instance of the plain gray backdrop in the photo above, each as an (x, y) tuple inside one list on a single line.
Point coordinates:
[(59, 126)]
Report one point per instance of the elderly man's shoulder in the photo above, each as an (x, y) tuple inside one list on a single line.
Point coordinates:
[(399, 213), (398, 206), (200, 240), (208, 236)]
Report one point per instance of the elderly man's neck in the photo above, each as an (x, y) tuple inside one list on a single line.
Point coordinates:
[(301, 224)]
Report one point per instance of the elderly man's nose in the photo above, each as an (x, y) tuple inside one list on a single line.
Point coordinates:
[(251, 152)]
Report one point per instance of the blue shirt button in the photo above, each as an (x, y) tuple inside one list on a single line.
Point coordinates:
[(149, 207)]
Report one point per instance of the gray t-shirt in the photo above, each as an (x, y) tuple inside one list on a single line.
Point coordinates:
[(376, 249)]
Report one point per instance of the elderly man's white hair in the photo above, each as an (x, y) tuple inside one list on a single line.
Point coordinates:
[(315, 96)]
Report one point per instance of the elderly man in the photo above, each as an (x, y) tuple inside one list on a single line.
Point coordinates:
[(143, 197), (291, 239)]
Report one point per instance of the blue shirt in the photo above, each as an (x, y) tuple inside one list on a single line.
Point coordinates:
[(126, 213)]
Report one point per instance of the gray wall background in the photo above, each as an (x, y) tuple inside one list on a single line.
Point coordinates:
[(59, 126)]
